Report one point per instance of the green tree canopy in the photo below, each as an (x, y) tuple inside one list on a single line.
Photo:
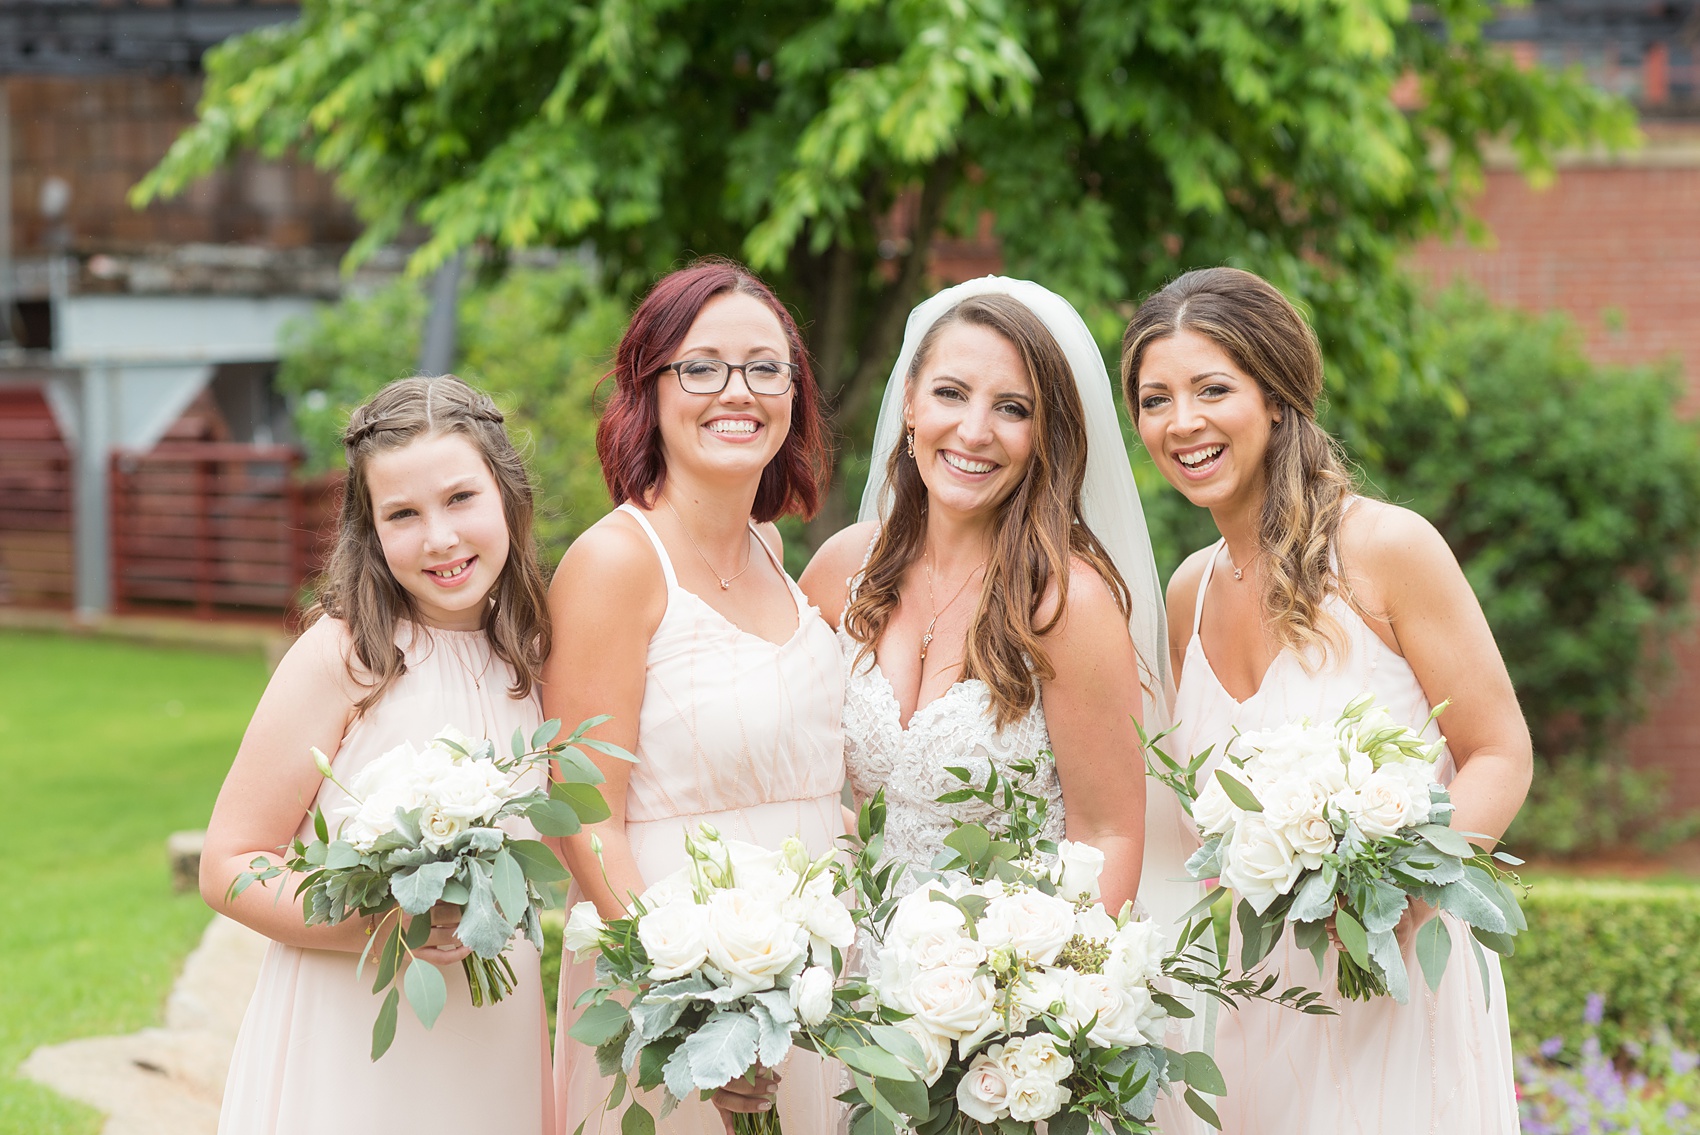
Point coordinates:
[(1114, 142)]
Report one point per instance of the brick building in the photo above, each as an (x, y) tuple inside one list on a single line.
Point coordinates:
[(1614, 242)]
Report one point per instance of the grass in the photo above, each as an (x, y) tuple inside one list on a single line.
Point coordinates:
[(105, 749)]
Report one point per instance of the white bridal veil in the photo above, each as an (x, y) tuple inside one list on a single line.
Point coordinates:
[(1109, 504)]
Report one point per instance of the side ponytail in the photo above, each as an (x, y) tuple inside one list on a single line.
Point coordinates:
[(1308, 476)]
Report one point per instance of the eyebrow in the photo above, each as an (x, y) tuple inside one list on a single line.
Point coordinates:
[(759, 351), (1194, 380)]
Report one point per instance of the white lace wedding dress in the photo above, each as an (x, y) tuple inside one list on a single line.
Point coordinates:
[(955, 729)]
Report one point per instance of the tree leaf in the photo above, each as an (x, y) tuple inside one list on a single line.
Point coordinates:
[(637, 1121), (545, 733), (584, 799), (1242, 796), (426, 991), (1203, 1110), (1446, 840), (508, 882)]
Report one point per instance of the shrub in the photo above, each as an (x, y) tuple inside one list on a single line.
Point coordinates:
[(1631, 943)]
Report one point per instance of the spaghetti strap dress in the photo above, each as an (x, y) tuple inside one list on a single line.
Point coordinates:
[(302, 1063), (1439, 1064), (745, 734)]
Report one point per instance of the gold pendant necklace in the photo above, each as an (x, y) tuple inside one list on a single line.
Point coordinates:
[(932, 602), (725, 580)]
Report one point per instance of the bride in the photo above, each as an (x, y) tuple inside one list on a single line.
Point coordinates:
[(999, 598)]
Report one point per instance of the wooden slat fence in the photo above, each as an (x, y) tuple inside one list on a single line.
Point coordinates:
[(35, 503), (217, 528)]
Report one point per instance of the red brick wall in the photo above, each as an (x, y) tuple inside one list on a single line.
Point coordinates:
[(1618, 248), (102, 134)]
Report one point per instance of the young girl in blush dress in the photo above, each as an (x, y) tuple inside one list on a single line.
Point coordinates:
[(432, 613), (1313, 598)]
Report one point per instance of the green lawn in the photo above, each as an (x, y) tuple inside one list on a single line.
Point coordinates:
[(105, 748)]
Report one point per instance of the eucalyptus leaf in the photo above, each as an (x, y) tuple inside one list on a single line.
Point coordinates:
[(1446, 840), (1352, 936), (545, 733), (584, 799), (600, 1023), (1434, 947), (1390, 963), (1472, 904), (383, 1029), (1242, 796), (637, 1121), (576, 768), (340, 855), (426, 991), (540, 863), (508, 882)]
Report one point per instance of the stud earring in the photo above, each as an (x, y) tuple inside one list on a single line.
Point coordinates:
[(909, 443)]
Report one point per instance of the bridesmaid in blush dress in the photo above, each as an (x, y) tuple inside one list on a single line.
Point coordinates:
[(1312, 598), (675, 615)]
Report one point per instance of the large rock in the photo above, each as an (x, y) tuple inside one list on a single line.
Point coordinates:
[(169, 1080)]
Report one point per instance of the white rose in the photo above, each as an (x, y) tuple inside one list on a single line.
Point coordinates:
[(939, 948), (951, 1002), (584, 930), (1034, 995), (1213, 811), (1033, 1098), (983, 1092), (1136, 955), (918, 912), (748, 941), (1384, 804), (935, 1048), (1095, 923), (1312, 839), (450, 734), (1290, 746), (895, 971), (1036, 1055), (1034, 924), (1081, 865), (1418, 777), (437, 828), (828, 924), (673, 937), (1291, 800), (470, 791), (1117, 1010), (1260, 864), (811, 995)]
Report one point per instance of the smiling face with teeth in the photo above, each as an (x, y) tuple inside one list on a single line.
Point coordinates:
[(439, 518), (731, 435), (1205, 421), (971, 407)]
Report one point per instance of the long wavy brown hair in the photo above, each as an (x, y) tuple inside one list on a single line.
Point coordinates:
[(1038, 526), (1308, 476), (358, 586)]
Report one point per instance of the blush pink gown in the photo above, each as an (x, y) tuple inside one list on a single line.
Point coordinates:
[(302, 1064), (1438, 1065), (747, 735)]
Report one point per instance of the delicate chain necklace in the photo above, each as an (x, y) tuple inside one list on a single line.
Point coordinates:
[(725, 580), (932, 601), (1239, 572)]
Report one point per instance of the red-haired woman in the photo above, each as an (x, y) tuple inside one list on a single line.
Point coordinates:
[(675, 615)]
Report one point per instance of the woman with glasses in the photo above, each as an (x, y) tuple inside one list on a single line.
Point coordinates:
[(674, 615)]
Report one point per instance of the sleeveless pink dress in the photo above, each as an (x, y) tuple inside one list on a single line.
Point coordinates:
[(302, 1064), (1438, 1065), (747, 735)]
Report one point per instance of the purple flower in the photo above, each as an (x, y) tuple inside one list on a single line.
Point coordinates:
[(1552, 1046), (1682, 1062), (1596, 1010)]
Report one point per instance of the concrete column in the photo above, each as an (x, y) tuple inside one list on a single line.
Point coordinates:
[(91, 492)]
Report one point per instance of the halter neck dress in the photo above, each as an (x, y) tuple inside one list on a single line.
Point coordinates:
[(302, 1063), (746, 734), (1437, 1065)]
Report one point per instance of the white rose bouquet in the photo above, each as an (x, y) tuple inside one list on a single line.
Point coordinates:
[(1341, 825), (1030, 1002), (724, 966), (424, 826)]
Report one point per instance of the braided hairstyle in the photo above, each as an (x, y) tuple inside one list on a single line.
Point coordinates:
[(358, 586)]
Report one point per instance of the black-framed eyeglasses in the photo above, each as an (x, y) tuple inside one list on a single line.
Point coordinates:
[(710, 376)]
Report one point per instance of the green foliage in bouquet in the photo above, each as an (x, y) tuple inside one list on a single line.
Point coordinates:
[(1361, 879), (408, 859), (698, 1023), (1110, 1088)]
